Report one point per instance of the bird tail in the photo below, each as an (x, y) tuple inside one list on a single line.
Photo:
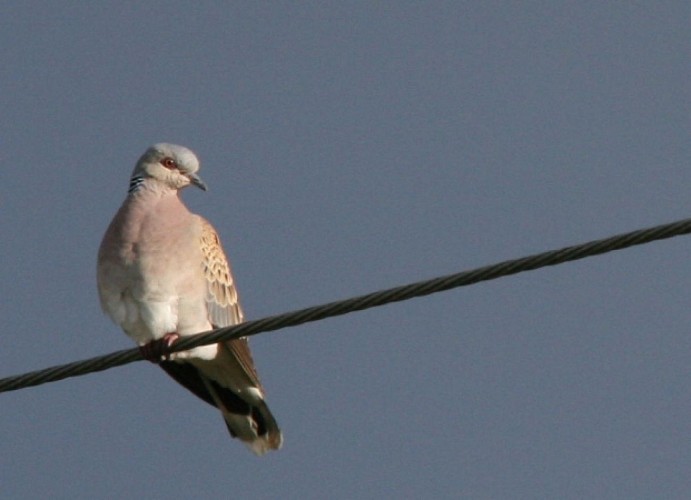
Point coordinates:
[(264, 434), (250, 421)]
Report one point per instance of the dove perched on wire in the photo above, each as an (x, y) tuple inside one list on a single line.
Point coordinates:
[(162, 274)]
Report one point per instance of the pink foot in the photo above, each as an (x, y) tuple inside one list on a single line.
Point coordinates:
[(155, 351)]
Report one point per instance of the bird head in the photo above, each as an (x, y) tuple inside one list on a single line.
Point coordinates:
[(174, 166)]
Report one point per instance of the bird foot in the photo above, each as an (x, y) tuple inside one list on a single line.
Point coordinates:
[(155, 351)]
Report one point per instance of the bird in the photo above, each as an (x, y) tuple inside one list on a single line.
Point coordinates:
[(162, 274)]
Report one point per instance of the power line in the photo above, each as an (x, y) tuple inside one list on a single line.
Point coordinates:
[(359, 303)]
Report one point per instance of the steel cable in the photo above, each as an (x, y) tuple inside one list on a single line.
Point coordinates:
[(359, 303)]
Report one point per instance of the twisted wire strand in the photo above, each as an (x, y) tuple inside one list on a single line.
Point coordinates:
[(359, 303)]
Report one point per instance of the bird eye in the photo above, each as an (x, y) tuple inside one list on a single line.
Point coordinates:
[(169, 163)]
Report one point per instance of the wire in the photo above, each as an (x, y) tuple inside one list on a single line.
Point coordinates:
[(359, 303)]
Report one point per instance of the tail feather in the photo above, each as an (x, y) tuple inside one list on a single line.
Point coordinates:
[(251, 422), (244, 410)]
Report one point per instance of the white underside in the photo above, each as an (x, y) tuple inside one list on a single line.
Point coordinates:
[(151, 320)]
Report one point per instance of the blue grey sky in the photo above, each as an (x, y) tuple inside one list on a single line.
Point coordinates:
[(349, 147)]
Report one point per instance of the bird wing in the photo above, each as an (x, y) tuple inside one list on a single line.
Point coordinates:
[(222, 298)]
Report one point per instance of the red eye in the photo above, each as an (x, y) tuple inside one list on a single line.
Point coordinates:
[(169, 163)]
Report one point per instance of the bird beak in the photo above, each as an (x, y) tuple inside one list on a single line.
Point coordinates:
[(197, 181)]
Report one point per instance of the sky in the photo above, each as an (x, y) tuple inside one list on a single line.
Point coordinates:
[(351, 147)]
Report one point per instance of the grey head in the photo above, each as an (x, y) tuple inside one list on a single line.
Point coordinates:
[(172, 165)]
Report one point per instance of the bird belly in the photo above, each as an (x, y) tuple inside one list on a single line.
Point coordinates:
[(144, 320), (148, 307)]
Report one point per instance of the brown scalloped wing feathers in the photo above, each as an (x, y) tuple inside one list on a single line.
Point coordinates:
[(222, 297)]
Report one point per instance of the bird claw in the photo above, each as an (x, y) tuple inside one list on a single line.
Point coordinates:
[(156, 350)]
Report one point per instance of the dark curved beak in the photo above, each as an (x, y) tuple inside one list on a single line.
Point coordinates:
[(197, 181)]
